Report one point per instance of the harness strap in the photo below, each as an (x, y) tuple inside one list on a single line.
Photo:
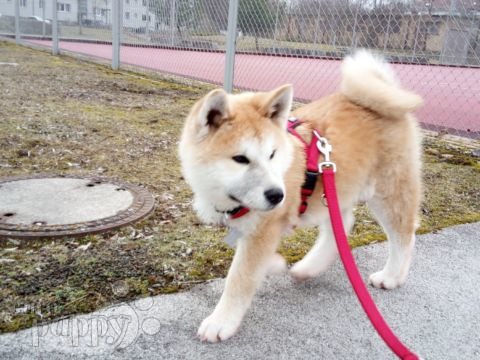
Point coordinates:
[(312, 155)]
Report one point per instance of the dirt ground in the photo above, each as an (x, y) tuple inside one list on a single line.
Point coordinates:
[(66, 116)]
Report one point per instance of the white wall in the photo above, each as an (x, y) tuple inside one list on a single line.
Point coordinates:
[(100, 11), (64, 15), (7, 7), (135, 14), (97, 10)]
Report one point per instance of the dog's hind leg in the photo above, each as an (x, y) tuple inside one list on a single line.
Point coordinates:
[(253, 259), (398, 216), (324, 252)]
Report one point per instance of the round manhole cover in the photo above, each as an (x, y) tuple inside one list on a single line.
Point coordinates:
[(57, 206)]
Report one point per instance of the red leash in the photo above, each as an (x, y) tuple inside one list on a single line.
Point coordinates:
[(382, 328), (327, 168)]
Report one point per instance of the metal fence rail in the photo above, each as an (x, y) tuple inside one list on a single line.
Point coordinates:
[(435, 44)]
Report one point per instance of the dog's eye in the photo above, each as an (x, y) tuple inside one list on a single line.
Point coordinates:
[(273, 154), (241, 159)]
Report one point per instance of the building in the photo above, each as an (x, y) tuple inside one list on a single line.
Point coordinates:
[(446, 31), (67, 10), (136, 14)]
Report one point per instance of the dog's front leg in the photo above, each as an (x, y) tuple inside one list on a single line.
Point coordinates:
[(251, 261)]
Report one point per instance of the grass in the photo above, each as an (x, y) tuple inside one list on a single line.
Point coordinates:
[(102, 34), (249, 43), (63, 115)]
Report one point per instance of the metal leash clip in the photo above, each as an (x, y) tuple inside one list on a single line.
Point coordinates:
[(325, 148)]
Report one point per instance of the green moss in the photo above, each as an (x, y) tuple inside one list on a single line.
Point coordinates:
[(170, 289), (212, 257), (295, 246), (438, 150), (22, 321), (137, 286)]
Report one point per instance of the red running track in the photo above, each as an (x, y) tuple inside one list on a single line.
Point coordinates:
[(452, 94)]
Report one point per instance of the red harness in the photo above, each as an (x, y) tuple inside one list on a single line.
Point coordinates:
[(312, 154), (327, 169)]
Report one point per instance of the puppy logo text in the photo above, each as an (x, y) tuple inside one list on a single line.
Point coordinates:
[(95, 330), (116, 328)]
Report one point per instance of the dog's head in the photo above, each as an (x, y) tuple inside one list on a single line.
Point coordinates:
[(235, 151)]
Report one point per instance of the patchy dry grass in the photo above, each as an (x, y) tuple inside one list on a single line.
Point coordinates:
[(62, 115)]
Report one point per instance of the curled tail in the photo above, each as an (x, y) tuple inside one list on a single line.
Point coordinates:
[(369, 81)]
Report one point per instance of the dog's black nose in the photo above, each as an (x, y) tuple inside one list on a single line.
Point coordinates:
[(274, 196)]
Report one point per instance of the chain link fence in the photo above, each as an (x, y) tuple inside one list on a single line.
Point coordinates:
[(434, 45), (419, 32)]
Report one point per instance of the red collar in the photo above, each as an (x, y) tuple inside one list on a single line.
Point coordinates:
[(238, 212)]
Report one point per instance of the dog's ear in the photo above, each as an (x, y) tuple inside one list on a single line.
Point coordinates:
[(213, 111), (278, 103)]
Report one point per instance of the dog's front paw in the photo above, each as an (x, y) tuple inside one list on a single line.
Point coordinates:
[(217, 328), (277, 265), (301, 273), (384, 280), (306, 269)]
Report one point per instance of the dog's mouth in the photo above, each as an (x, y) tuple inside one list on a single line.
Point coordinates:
[(235, 208), (231, 197), (240, 204)]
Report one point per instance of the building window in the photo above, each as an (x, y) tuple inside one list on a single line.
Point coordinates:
[(41, 4), (144, 2), (431, 28), (23, 3), (135, 15), (63, 7), (127, 15), (127, 1), (144, 17)]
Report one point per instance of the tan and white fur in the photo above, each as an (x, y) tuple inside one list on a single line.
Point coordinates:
[(235, 151)]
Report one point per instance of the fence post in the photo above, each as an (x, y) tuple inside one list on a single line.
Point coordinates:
[(55, 50), (231, 41), (354, 33), (79, 16), (417, 30), (275, 30), (147, 30), (387, 35), (17, 22), (116, 31), (173, 20), (44, 31), (334, 40)]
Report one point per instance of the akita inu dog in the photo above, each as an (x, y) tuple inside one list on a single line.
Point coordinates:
[(236, 153)]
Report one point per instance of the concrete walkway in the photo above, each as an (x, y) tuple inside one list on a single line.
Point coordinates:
[(437, 313)]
